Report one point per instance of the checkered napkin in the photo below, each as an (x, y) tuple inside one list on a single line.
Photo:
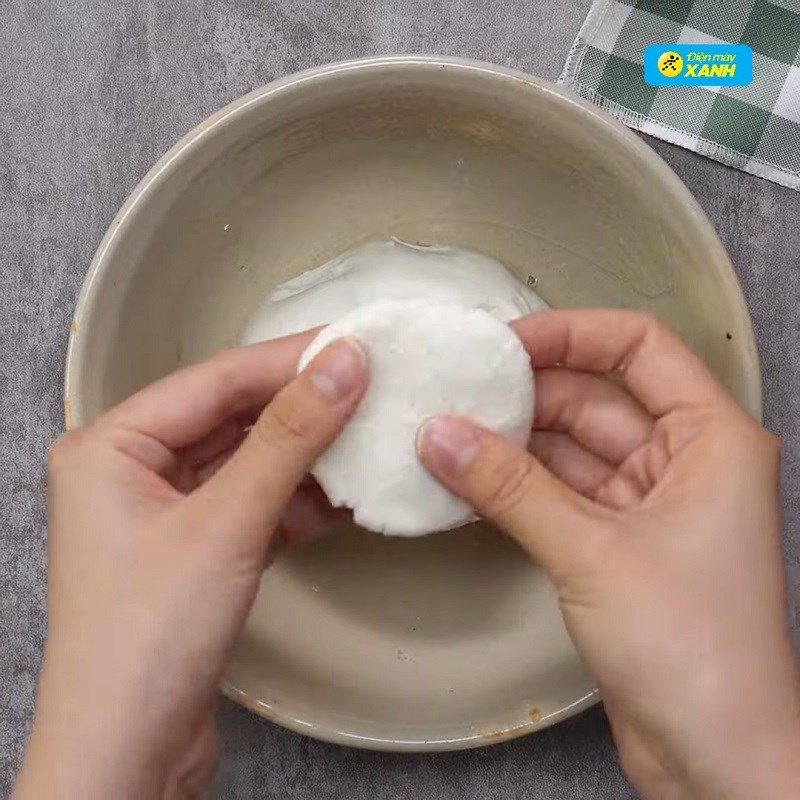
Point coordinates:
[(755, 128)]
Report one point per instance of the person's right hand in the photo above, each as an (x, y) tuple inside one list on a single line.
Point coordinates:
[(654, 510)]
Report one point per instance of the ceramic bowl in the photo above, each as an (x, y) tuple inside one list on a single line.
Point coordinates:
[(448, 641)]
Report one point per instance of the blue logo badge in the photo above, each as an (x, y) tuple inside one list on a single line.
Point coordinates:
[(698, 65)]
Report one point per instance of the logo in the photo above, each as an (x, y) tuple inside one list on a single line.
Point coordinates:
[(670, 64), (698, 65)]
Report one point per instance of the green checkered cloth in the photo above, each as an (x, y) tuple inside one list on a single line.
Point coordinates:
[(755, 128)]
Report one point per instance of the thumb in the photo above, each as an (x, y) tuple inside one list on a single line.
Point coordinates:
[(302, 420), (509, 487)]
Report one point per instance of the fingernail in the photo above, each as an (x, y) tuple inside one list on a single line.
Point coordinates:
[(339, 369), (447, 446)]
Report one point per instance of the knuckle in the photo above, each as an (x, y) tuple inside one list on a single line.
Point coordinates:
[(772, 442), (771, 446), (222, 380), (63, 451), (224, 355), (656, 330), (739, 432), (658, 326), (651, 322), (224, 363), (282, 426), (506, 481)]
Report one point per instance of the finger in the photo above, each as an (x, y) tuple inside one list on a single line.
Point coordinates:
[(656, 366), (181, 408), (255, 485), (508, 486), (196, 767), (199, 476), (566, 459), (229, 434), (638, 474), (589, 475), (638, 750), (595, 412), (619, 492), (200, 461), (309, 514)]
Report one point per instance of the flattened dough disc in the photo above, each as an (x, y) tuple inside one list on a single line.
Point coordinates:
[(425, 358)]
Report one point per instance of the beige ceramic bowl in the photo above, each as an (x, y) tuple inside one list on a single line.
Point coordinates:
[(448, 641)]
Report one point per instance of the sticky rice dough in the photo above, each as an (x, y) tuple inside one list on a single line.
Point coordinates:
[(450, 361), (390, 270), (425, 358)]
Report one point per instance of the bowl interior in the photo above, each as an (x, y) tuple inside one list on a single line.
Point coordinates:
[(453, 639)]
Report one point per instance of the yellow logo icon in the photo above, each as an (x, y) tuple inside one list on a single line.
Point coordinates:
[(670, 64)]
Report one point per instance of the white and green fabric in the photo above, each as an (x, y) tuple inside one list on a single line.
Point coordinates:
[(755, 128)]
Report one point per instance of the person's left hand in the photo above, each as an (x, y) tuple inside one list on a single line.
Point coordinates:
[(163, 515)]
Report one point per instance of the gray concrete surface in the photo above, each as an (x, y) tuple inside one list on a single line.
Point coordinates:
[(91, 93)]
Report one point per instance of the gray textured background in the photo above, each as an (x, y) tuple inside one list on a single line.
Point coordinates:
[(91, 93)]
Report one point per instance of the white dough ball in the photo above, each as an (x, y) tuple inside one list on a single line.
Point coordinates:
[(425, 358)]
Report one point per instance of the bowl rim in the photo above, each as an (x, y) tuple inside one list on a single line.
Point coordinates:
[(405, 745), (75, 413)]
